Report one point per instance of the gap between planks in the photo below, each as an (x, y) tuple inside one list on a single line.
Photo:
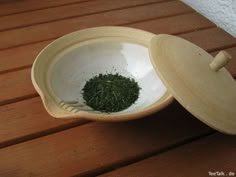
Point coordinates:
[(133, 23), (43, 133), (218, 148), (87, 14), (141, 133), (53, 128), (59, 5), (144, 156), (47, 7), (22, 98), (45, 31), (32, 95), (185, 32), (194, 30)]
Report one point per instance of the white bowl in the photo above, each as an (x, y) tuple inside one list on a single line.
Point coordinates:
[(61, 70)]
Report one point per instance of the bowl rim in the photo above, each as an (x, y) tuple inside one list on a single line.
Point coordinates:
[(51, 102)]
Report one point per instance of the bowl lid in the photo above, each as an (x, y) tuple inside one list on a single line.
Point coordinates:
[(198, 81)]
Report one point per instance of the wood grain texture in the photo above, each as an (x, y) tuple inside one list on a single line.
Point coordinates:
[(25, 55), (216, 39), (63, 12), (214, 153), (175, 25), (93, 147), (31, 34), (28, 119), (18, 6), (18, 84), (42, 145), (22, 56)]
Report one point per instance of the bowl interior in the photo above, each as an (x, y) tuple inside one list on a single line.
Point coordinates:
[(76, 64)]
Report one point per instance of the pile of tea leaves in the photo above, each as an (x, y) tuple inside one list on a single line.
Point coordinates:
[(110, 92)]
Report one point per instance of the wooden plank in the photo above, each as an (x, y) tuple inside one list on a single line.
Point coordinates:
[(20, 57), (175, 25), (216, 153), (25, 55), (20, 117), (231, 67), (216, 39), (93, 147), (63, 12), (31, 34), (28, 119), (15, 117), (17, 85), (16, 6)]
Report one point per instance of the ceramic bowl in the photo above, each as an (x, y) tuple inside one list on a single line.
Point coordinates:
[(61, 70)]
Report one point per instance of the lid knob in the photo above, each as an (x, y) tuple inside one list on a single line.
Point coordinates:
[(220, 60)]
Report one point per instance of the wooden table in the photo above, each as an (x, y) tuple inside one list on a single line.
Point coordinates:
[(170, 143)]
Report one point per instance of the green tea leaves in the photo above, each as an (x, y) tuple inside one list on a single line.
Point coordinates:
[(110, 92)]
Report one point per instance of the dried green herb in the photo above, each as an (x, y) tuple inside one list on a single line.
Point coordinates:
[(110, 92)]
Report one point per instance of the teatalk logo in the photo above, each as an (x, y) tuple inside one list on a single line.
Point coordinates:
[(221, 173)]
